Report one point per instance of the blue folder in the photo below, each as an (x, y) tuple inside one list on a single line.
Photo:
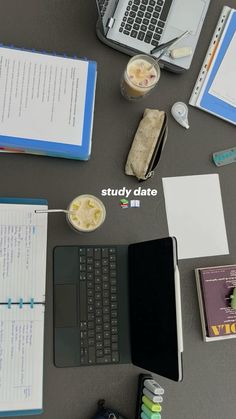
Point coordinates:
[(209, 102), (59, 149)]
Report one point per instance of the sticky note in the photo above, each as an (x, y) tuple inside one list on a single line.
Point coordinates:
[(149, 413), (155, 407)]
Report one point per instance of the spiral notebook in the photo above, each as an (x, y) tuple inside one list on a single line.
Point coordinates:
[(47, 103), (23, 239)]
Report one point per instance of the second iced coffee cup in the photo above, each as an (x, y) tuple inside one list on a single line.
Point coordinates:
[(140, 77)]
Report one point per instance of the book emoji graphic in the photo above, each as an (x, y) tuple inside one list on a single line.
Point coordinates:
[(124, 203)]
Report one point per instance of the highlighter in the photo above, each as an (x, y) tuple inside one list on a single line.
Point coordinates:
[(152, 397), (149, 413), (154, 387), (143, 416), (154, 407)]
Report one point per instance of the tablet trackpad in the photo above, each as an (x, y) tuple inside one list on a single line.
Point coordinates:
[(65, 311)]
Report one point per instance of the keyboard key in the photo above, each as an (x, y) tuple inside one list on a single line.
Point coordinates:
[(150, 9), (161, 24), (158, 30), (134, 34), (132, 14), (142, 7), (91, 355), (115, 357), (148, 15), (104, 252), (156, 36), (143, 28), (126, 32), (134, 8), (140, 14), (114, 346), (89, 252), (156, 15), (128, 28), (99, 345), (138, 20), (151, 27), (97, 253), (155, 43), (106, 326)]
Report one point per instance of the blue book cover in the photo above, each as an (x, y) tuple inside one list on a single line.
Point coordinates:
[(48, 103)]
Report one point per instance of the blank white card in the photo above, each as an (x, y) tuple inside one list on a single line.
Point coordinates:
[(195, 215)]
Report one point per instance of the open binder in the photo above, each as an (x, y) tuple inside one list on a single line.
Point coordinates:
[(23, 237), (47, 103), (214, 90)]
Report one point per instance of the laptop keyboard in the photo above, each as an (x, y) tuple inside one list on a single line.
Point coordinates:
[(98, 306), (145, 20)]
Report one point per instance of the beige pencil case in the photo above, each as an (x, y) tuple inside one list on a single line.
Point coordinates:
[(147, 146)]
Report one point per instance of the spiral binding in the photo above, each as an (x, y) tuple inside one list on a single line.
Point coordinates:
[(20, 303)]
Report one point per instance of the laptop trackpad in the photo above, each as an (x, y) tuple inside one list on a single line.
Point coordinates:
[(65, 312), (189, 20)]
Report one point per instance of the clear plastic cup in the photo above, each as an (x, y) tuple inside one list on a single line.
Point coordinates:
[(87, 213), (141, 75)]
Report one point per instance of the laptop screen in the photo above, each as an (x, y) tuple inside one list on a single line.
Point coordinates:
[(153, 322)]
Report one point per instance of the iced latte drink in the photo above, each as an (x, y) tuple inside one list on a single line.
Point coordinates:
[(86, 213), (140, 77)]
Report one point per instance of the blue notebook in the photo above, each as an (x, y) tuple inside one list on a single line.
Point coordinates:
[(215, 90), (23, 237), (47, 103)]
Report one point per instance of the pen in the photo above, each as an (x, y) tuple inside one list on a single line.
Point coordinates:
[(170, 43)]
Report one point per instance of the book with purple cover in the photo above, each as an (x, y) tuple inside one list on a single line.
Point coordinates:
[(215, 285)]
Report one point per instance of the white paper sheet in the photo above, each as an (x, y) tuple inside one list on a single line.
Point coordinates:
[(224, 86), (195, 215)]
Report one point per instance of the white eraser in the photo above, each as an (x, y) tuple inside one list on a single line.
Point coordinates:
[(180, 52), (154, 387)]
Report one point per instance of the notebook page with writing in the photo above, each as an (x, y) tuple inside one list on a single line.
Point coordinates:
[(23, 244), (21, 358)]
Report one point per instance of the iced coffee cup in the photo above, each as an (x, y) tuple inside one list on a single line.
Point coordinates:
[(140, 77), (86, 213)]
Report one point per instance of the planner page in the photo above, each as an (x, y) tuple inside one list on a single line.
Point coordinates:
[(21, 357), (23, 245)]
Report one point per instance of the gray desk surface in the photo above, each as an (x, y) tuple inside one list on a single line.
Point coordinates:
[(208, 389)]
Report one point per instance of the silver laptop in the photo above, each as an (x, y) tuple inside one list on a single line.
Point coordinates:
[(133, 26)]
